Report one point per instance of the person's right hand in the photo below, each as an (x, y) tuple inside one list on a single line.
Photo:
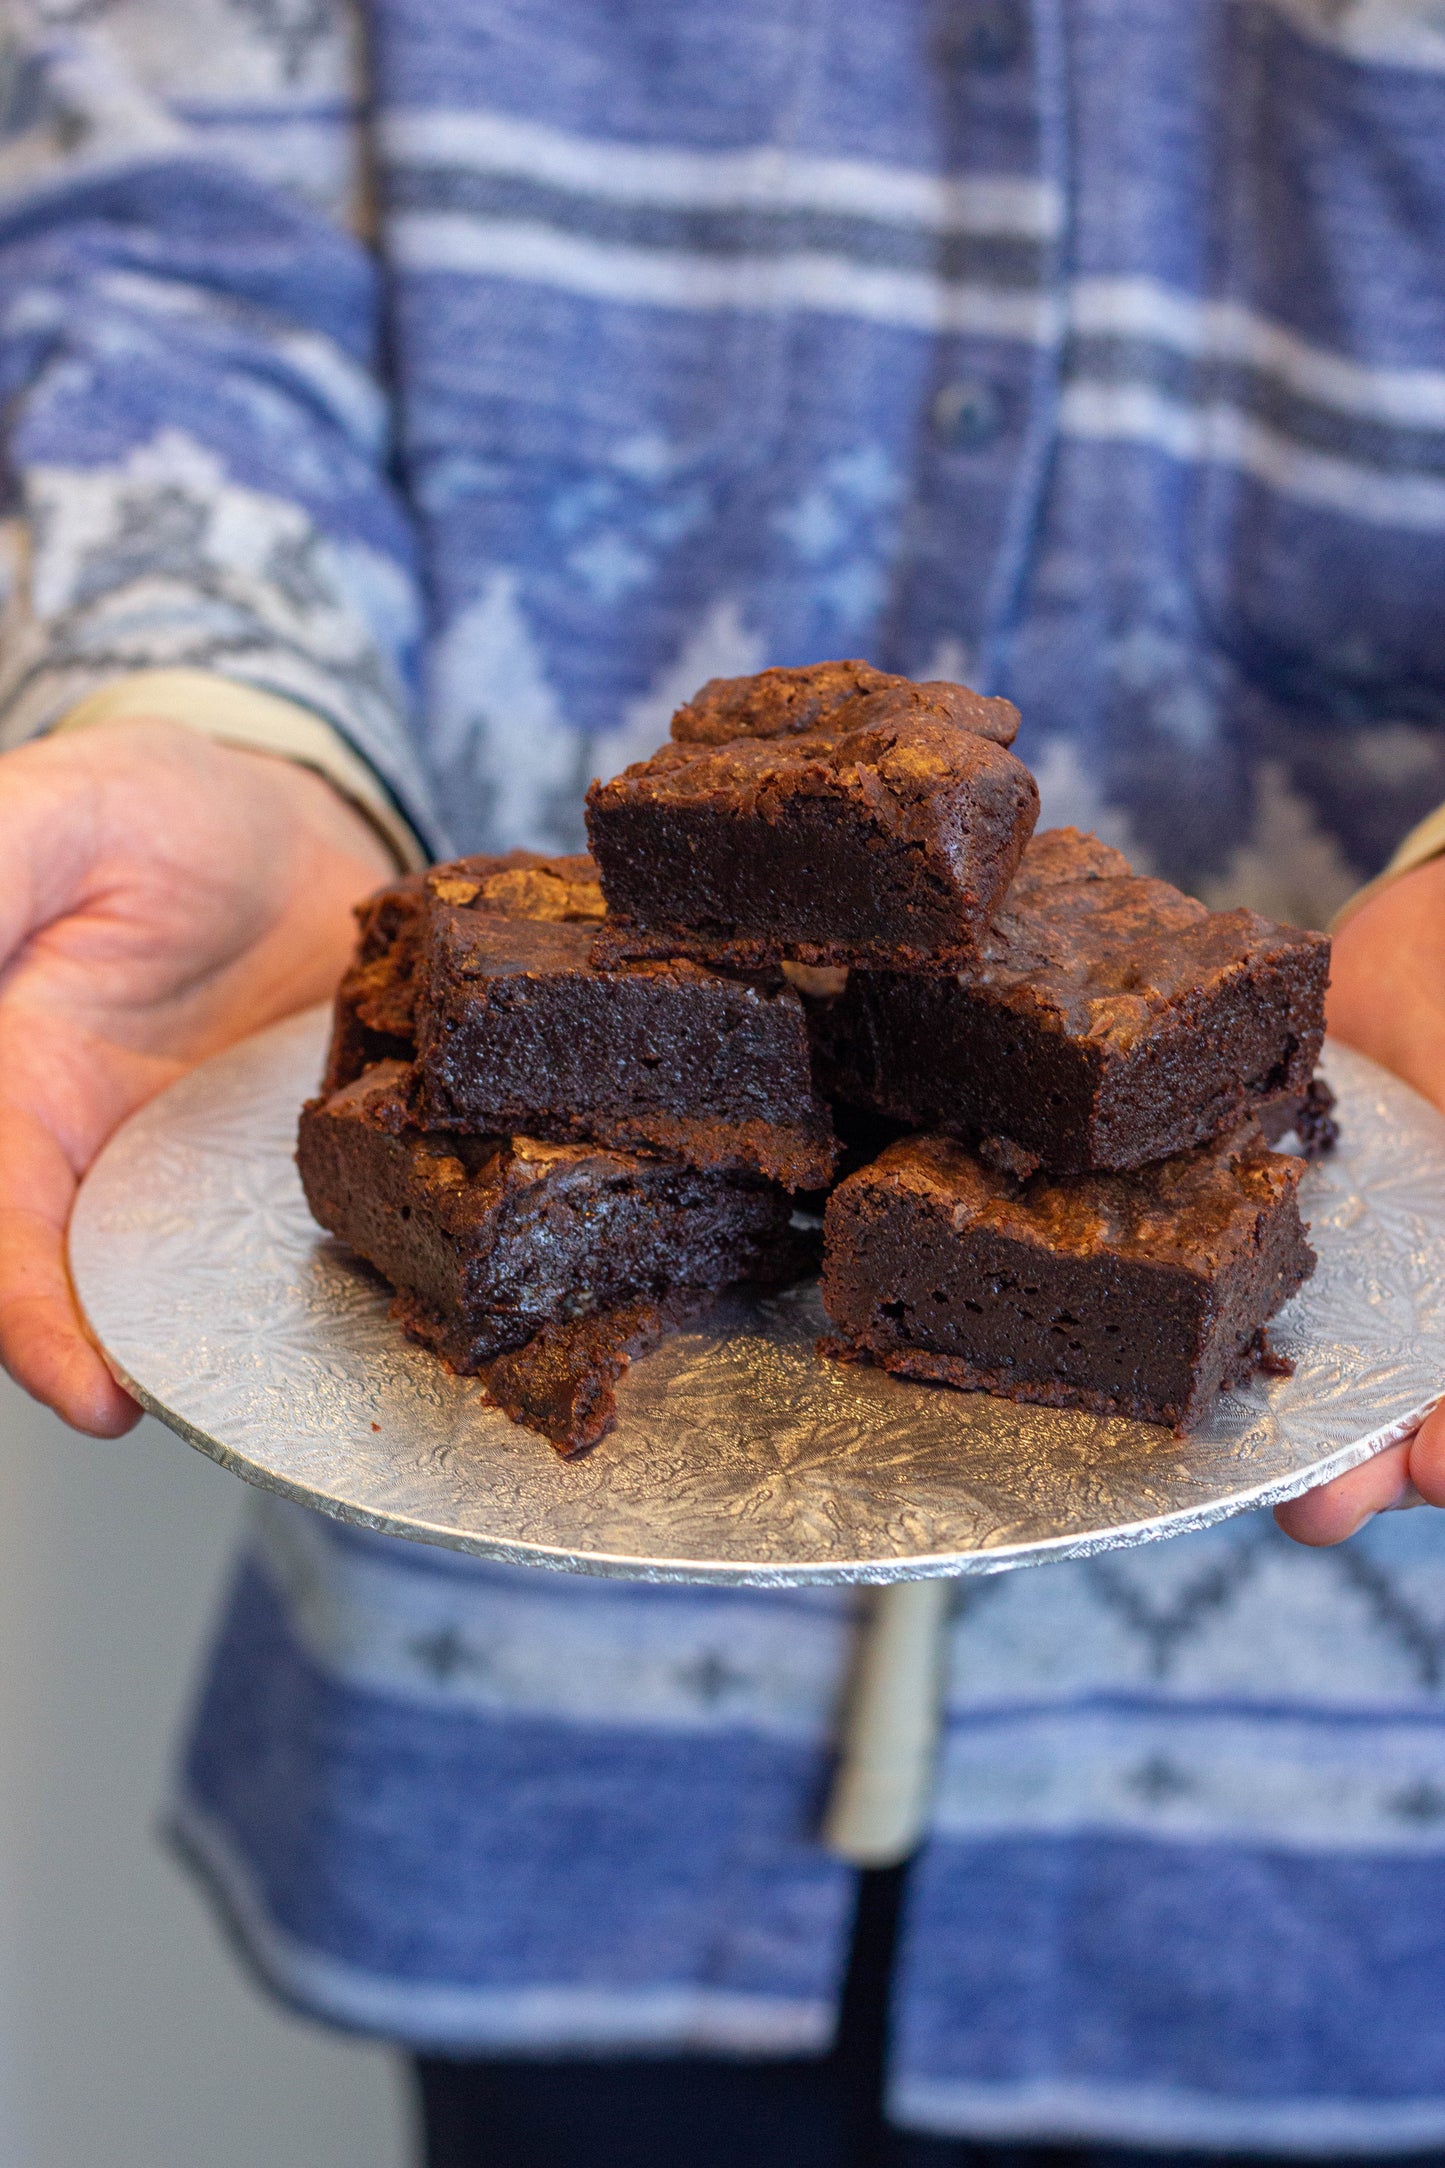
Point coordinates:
[(160, 896), (1387, 997)]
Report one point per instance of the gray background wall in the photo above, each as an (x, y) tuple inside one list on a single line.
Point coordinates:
[(128, 2038)]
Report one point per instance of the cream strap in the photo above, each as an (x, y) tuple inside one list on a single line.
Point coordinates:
[(256, 722), (1424, 842), (883, 1789)]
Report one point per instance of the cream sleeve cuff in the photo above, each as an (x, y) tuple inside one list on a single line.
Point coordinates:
[(1424, 842), (258, 722)]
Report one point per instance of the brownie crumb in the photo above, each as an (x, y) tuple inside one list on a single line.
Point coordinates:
[(1006, 1157), (1310, 1117), (1270, 1359), (562, 1382)]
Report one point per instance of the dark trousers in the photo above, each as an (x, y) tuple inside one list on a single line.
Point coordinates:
[(695, 2112)]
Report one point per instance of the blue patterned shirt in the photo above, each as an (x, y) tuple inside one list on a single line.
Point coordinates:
[(1092, 352)]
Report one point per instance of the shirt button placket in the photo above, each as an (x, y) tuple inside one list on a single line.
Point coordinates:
[(987, 35), (967, 415), (984, 36), (989, 424)]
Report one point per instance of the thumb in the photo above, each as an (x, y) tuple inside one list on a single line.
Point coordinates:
[(1334, 1511), (43, 1343), (1427, 1457), (50, 818)]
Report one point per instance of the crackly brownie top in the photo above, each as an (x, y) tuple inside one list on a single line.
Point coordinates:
[(484, 944), (1107, 950), (468, 1177), (488, 916), (489, 947), (903, 769), (522, 885), (822, 696), (542, 920), (1196, 1209)]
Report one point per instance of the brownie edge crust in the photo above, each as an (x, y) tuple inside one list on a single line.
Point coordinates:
[(1140, 1295), (783, 703)]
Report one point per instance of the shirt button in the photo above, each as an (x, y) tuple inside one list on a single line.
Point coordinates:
[(967, 415), (984, 34)]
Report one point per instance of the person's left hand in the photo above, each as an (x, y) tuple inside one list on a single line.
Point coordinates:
[(1387, 997), (160, 897)]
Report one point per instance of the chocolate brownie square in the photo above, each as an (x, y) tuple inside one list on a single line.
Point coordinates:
[(882, 833), (1107, 1021), (517, 1029), (375, 1015), (489, 1240), (1130, 1294), (488, 982)]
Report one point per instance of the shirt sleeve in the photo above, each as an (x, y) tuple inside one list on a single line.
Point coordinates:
[(1425, 841), (195, 441), (256, 722)]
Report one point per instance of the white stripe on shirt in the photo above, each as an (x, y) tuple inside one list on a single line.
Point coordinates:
[(1311, 1781), (503, 1644), (1226, 435), (1143, 308), (833, 285), (1164, 2116), (1384, 33), (765, 177), (535, 2019)]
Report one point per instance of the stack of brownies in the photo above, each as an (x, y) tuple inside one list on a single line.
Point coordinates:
[(567, 1098)]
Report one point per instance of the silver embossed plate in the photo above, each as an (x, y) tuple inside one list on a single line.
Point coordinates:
[(738, 1454)]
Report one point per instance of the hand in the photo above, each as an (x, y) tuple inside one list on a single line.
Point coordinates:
[(1387, 997), (160, 896)]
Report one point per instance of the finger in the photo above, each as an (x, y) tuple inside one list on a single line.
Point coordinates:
[(1335, 1510), (43, 1341), (1387, 979), (1427, 1457)]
